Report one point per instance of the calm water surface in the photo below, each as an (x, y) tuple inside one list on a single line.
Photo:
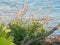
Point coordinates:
[(41, 5)]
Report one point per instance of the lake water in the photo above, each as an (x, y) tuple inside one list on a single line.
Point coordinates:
[(8, 10)]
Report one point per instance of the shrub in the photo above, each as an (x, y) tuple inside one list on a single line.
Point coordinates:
[(20, 31)]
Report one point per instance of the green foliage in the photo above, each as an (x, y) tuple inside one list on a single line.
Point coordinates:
[(18, 31), (2, 30), (4, 41), (36, 29), (21, 30)]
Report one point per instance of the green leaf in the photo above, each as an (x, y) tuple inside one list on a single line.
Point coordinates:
[(4, 41)]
